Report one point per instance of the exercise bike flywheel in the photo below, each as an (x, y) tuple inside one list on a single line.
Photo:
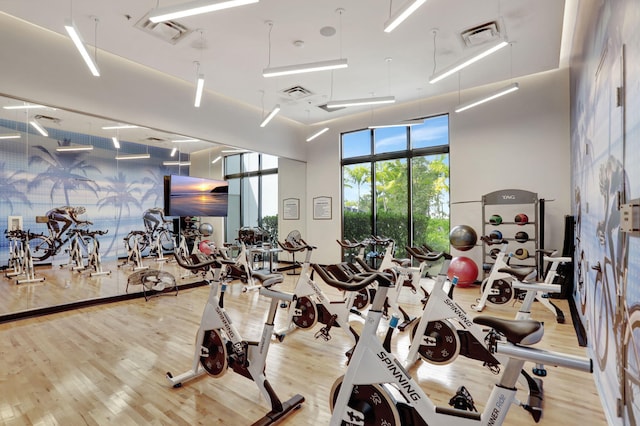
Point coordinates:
[(308, 313), (376, 404), (501, 291), (215, 363), (441, 344)]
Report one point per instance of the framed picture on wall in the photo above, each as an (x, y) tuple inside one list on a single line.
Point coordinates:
[(291, 209), (322, 208)]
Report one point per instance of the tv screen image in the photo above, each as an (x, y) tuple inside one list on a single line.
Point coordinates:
[(193, 196)]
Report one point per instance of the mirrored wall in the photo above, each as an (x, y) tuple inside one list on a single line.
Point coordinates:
[(110, 171)]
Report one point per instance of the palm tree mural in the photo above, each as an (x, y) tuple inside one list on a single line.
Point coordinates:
[(155, 190), (9, 184), (122, 194), (66, 172)]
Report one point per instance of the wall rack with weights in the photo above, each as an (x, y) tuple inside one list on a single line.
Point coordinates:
[(505, 205)]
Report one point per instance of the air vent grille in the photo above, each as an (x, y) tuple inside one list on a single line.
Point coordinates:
[(296, 92), (170, 31), (481, 34)]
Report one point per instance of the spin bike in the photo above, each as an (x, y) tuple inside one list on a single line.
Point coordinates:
[(311, 305), (404, 276), (505, 282), (376, 389), (220, 346)]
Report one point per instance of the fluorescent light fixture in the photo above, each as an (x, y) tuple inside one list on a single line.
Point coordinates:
[(234, 151), (132, 156), (73, 148), (316, 134), (28, 106), (363, 101), (10, 136), (185, 140), (401, 14), (510, 88), (194, 8), (302, 68), (173, 151), (401, 124), (120, 126), (116, 142), (466, 62), (215, 160), (199, 89), (77, 40), (176, 163), (272, 114), (39, 128)]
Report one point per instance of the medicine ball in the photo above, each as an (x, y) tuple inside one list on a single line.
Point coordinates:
[(495, 219), (521, 237), (521, 253), (495, 235), (521, 219), (206, 229), (463, 237), (465, 269)]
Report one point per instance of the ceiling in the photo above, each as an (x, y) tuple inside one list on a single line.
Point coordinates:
[(233, 46)]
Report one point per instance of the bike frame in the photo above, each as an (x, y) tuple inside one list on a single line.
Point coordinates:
[(371, 363), (307, 287), (498, 273)]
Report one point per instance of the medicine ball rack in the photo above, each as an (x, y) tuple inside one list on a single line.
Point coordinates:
[(508, 203)]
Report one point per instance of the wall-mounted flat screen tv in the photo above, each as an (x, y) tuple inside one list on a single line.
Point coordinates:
[(193, 196)]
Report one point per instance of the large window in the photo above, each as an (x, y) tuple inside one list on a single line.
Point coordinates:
[(395, 183), (253, 193)]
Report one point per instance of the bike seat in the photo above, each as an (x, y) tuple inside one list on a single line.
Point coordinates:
[(267, 280), (519, 273), (518, 332)]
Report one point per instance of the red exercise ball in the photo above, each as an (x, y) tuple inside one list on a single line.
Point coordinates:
[(465, 269), (205, 247)]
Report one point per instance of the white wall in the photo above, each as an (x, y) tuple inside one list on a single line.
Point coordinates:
[(519, 141), (292, 183)]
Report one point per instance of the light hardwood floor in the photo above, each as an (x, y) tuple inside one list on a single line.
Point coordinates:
[(106, 365)]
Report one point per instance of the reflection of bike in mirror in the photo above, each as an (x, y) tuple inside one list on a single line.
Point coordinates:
[(156, 241), (45, 246)]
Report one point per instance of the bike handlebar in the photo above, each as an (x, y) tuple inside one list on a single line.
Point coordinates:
[(427, 257), (350, 245), (355, 283), (290, 247), (381, 240)]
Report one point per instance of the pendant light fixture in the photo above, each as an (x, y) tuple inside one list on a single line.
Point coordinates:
[(446, 72), (76, 37), (401, 14), (192, 8), (333, 64), (316, 134), (495, 94)]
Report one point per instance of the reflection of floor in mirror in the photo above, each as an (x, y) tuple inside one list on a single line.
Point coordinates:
[(106, 364), (63, 285)]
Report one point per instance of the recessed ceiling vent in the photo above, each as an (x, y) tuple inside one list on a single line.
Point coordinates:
[(170, 31), (296, 92), (481, 34), (47, 118), (154, 139)]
